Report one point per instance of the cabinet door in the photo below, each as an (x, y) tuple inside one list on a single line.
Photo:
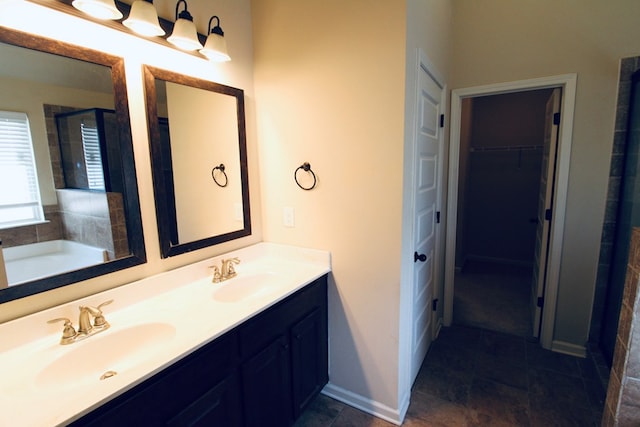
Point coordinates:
[(308, 359), (266, 387)]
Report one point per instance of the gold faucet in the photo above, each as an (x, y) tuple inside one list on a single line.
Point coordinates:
[(226, 270), (85, 328)]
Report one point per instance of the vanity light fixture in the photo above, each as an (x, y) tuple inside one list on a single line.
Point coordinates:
[(215, 47), (185, 35), (143, 19), (100, 9)]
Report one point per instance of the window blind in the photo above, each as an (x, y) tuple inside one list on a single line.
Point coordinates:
[(92, 156), (19, 192)]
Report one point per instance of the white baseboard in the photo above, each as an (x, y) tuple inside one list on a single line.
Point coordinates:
[(367, 405), (437, 328), (568, 348)]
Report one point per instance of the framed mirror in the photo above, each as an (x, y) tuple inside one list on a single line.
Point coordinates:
[(199, 161), (69, 208)]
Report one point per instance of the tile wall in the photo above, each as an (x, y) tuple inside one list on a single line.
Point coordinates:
[(622, 407), (94, 218), (627, 67), (50, 230)]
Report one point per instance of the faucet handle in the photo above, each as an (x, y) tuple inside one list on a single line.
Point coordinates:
[(103, 304), (99, 321), (68, 332), (217, 277), (231, 272)]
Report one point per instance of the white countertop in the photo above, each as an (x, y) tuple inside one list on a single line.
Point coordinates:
[(180, 307)]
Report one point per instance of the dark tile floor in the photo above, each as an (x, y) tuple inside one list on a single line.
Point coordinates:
[(476, 377)]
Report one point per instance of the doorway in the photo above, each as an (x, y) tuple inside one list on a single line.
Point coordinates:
[(502, 158), (567, 83)]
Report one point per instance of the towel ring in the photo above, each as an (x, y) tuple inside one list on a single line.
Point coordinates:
[(220, 167), (307, 168)]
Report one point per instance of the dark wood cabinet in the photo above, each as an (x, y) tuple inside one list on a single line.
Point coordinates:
[(262, 373), (292, 333)]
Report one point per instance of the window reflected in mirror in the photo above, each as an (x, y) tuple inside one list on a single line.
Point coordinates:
[(19, 189)]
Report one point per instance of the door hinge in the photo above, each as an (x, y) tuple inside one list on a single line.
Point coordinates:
[(547, 214), (438, 217), (556, 118), (434, 304), (540, 302), (441, 120)]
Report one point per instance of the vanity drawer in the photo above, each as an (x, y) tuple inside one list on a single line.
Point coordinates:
[(206, 377)]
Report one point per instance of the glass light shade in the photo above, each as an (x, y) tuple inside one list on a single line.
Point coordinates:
[(185, 35), (143, 19), (216, 48), (101, 9)]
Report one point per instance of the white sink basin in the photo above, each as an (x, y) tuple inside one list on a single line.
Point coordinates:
[(248, 286), (102, 356)]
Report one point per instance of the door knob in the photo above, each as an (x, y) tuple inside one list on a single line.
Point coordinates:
[(419, 257)]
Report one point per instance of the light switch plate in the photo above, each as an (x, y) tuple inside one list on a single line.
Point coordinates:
[(288, 217)]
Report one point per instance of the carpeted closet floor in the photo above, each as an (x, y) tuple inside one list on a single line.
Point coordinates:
[(493, 296)]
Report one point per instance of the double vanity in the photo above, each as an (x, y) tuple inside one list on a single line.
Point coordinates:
[(180, 349), (238, 340)]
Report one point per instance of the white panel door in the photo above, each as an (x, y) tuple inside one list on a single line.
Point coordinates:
[(426, 187), (545, 207)]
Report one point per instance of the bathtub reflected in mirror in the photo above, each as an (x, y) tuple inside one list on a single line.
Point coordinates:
[(69, 206), (26, 263)]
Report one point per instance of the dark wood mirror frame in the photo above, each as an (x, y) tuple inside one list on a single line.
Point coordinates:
[(131, 202), (163, 190)]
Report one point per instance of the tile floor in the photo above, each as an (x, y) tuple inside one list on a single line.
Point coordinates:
[(476, 377)]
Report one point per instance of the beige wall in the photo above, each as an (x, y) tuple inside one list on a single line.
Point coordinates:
[(236, 22), (329, 90), (502, 40)]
